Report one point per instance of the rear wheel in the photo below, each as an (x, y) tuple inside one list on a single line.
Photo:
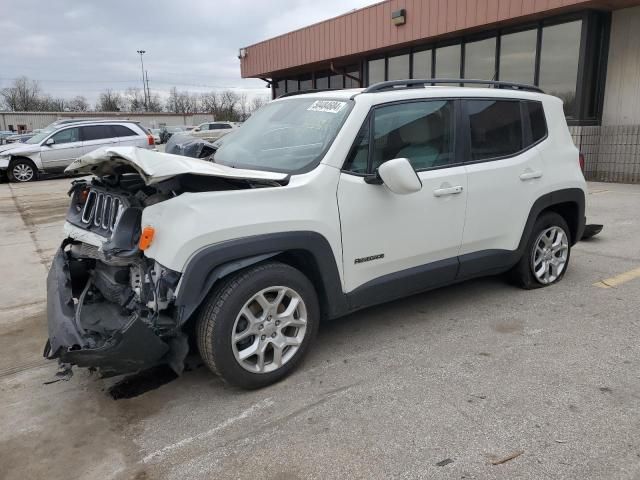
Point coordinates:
[(22, 170), (257, 326), (546, 257)]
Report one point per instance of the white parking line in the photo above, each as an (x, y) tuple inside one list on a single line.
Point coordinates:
[(267, 402)]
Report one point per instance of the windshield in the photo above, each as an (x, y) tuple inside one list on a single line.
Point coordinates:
[(285, 136), (40, 136)]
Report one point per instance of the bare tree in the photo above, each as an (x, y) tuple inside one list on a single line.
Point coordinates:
[(181, 102), (23, 96), (78, 104), (47, 103), (155, 103), (110, 101), (133, 100), (257, 103)]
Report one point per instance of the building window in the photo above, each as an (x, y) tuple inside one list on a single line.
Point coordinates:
[(336, 81), (448, 62), (559, 58), (292, 86), (322, 80), (518, 57), (278, 88), (353, 71), (306, 82), (480, 59), (376, 71), (495, 128), (398, 67), (422, 64)]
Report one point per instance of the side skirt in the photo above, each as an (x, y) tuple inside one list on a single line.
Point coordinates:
[(431, 276)]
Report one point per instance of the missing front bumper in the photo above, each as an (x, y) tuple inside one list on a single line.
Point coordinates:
[(132, 347)]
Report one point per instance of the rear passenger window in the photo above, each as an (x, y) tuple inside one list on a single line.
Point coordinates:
[(537, 121), (96, 132), (495, 128), (418, 131)]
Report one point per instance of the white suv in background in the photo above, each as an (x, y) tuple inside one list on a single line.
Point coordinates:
[(53, 149), (321, 204), (213, 130)]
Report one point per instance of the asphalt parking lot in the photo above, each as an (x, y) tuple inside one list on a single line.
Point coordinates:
[(481, 380)]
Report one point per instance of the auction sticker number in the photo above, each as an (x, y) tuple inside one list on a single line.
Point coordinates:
[(329, 106)]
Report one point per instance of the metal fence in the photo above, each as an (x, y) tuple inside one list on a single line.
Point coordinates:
[(612, 152)]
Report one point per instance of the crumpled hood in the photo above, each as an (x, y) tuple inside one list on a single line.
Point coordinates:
[(155, 167), (11, 148)]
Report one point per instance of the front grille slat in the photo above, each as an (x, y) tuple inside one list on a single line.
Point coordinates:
[(102, 211)]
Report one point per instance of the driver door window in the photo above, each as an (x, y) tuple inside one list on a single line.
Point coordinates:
[(67, 136), (419, 131)]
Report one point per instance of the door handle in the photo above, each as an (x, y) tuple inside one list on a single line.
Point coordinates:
[(441, 192), (530, 175)]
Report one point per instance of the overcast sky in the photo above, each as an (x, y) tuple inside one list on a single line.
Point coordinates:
[(75, 47)]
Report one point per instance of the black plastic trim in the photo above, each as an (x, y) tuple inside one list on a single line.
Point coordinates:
[(203, 270), (568, 195), (404, 283)]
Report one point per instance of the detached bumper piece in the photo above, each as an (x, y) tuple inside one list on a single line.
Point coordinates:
[(102, 337)]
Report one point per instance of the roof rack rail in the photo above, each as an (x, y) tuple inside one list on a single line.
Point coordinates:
[(311, 90), (423, 82)]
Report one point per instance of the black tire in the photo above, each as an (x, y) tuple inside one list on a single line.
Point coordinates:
[(522, 273), (217, 318), (24, 163)]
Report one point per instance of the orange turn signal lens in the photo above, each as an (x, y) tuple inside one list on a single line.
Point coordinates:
[(146, 238)]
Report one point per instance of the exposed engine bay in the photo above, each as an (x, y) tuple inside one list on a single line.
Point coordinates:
[(109, 306)]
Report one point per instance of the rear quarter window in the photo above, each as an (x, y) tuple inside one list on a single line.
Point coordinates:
[(122, 131), (537, 121)]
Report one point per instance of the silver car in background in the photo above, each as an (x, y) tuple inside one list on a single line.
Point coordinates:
[(53, 149)]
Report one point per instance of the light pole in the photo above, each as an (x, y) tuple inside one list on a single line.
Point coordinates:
[(144, 90)]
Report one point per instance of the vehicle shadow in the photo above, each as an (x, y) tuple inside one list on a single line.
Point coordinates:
[(339, 340)]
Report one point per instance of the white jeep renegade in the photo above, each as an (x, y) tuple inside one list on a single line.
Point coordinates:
[(321, 204)]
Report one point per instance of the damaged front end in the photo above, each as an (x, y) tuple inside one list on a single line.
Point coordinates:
[(108, 306)]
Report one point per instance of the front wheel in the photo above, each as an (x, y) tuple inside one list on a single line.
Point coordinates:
[(22, 170), (256, 327), (546, 257)]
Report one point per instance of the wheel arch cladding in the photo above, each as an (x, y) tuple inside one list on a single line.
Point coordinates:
[(309, 252), (568, 203)]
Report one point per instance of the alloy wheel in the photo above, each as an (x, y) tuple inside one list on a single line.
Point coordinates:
[(550, 254), (269, 329), (22, 172)]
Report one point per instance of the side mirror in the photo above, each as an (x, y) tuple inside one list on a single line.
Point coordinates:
[(49, 142), (197, 129), (399, 176)]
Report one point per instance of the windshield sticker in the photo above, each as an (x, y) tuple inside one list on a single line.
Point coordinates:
[(329, 106)]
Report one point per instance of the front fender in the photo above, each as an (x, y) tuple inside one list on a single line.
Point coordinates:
[(212, 263)]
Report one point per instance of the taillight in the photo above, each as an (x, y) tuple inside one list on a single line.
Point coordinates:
[(581, 161), (150, 139)]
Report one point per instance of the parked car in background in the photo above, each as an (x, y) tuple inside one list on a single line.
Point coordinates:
[(167, 132), (213, 130), (22, 137), (53, 149), (156, 135), (4, 134)]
